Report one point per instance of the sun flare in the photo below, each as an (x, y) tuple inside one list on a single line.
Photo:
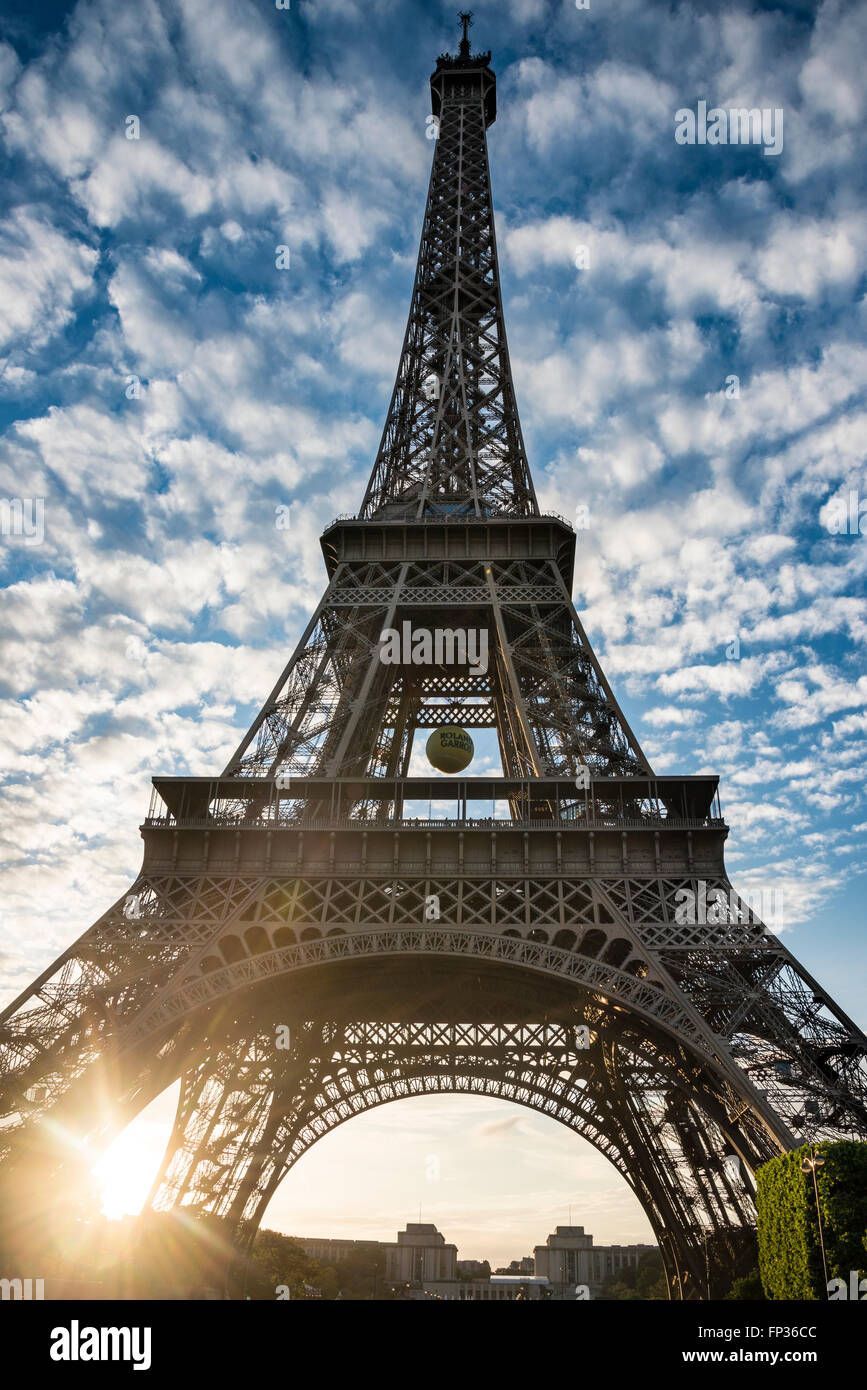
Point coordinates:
[(125, 1173)]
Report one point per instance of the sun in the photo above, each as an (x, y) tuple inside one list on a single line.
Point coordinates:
[(127, 1169), (125, 1173)]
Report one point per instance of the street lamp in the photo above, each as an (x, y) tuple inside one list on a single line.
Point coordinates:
[(809, 1165)]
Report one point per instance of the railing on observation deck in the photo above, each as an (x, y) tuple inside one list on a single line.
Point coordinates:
[(262, 822), (450, 519), (377, 804)]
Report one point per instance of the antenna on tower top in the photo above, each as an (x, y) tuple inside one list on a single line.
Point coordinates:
[(465, 18)]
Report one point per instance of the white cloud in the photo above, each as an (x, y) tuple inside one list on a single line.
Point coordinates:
[(42, 274), (672, 715)]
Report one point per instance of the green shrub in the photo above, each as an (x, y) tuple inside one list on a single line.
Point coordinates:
[(790, 1253), (747, 1289)]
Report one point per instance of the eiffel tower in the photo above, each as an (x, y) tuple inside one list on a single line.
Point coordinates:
[(302, 896)]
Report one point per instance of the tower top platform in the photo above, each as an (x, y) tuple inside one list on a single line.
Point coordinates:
[(451, 80)]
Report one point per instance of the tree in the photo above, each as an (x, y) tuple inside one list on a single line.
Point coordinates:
[(749, 1288), (617, 1291), (278, 1261), (650, 1280), (644, 1281), (362, 1274)]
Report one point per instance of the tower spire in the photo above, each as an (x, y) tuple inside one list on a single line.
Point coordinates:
[(452, 442)]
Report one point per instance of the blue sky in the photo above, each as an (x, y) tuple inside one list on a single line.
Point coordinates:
[(144, 630)]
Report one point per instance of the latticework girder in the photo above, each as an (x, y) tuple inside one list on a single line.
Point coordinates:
[(406, 956), (612, 1091), (542, 687), (452, 440)]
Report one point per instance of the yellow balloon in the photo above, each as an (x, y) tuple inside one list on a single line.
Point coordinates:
[(449, 749)]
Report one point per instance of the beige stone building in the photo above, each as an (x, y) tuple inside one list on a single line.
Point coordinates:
[(569, 1258), (427, 1267), (419, 1254)]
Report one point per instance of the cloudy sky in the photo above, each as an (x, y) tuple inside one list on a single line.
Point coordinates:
[(696, 382)]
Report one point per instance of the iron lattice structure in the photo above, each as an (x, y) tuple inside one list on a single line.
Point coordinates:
[(537, 956), (452, 441)]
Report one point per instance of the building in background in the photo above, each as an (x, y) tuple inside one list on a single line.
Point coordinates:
[(525, 1266), (419, 1256), (425, 1266), (569, 1258), (420, 1253), (332, 1252), (469, 1269)]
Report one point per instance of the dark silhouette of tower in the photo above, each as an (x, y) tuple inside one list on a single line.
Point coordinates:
[(301, 944)]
